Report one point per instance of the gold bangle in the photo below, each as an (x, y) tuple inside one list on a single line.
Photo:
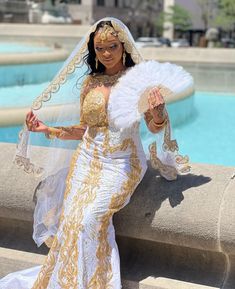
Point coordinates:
[(53, 133), (159, 125)]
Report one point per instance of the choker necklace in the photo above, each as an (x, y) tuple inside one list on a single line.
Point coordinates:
[(100, 79)]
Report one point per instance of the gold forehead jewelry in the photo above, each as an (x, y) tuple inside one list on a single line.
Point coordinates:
[(104, 31)]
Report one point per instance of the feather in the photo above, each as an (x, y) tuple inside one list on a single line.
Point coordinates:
[(128, 98)]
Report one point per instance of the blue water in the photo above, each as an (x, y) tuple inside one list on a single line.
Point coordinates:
[(23, 96), (18, 76), (15, 96), (13, 47), (207, 136)]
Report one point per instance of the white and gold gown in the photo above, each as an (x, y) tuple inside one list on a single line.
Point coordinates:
[(105, 169)]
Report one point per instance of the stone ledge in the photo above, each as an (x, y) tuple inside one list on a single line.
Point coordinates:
[(32, 58), (194, 211), (163, 283), (217, 56), (191, 219), (40, 30), (14, 260)]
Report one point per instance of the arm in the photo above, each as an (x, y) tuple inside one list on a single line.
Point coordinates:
[(74, 132)]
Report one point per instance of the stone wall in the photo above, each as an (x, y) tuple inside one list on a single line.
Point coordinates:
[(182, 230)]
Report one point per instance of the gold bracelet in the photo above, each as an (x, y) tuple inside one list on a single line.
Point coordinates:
[(159, 125), (53, 133)]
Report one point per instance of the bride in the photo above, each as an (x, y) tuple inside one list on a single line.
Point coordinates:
[(76, 199)]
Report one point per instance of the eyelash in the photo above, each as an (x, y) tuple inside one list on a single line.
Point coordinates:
[(111, 47)]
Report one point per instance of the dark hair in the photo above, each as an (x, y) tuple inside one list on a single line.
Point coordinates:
[(90, 57)]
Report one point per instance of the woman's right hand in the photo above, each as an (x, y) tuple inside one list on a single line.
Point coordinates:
[(34, 124)]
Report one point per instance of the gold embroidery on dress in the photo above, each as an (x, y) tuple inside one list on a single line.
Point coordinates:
[(67, 252), (73, 225), (103, 274), (94, 109), (170, 146), (165, 170), (48, 216), (93, 105), (46, 271)]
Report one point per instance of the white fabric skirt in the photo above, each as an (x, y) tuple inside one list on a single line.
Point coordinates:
[(84, 253)]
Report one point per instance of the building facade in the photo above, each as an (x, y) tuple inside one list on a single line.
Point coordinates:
[(202, 15), (139, 16)]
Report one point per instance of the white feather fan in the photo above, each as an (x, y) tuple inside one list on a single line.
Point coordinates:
[(128, 98)]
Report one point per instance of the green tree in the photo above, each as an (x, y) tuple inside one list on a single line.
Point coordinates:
[(207, 11), (226, 14), (178, 16)]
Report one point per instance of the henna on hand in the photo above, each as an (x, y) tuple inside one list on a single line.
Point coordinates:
[(160, 110), (156, 105)]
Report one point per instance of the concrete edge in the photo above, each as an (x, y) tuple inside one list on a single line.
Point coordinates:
[(23, 257), (32, 58), (16, 203), (192, 55), (22, 260), (43, 30)]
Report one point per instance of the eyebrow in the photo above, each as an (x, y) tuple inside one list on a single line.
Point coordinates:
[(114, 41)]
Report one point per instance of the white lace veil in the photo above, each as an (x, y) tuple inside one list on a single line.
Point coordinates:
[(58, 105)]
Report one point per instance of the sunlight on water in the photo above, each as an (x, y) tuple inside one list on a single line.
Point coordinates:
[(203, 126), (13, 47), (208, 136)]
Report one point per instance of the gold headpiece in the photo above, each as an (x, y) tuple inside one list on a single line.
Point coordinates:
[(105, 30)]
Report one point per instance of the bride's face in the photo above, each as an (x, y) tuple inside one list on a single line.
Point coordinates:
[(109, 50)]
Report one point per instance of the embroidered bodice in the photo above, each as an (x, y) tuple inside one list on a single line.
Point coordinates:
[(94, 109)]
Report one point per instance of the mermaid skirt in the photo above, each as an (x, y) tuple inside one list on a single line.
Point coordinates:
[(84, 253)]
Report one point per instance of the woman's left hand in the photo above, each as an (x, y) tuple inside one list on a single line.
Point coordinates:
[(156, 105)]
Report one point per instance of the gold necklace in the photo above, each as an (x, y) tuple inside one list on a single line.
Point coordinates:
[(104, 79)]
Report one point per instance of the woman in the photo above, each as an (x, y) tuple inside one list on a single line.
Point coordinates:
[(105, 169)]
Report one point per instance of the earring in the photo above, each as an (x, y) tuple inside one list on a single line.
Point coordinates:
[(96, 63), (124, 58)]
